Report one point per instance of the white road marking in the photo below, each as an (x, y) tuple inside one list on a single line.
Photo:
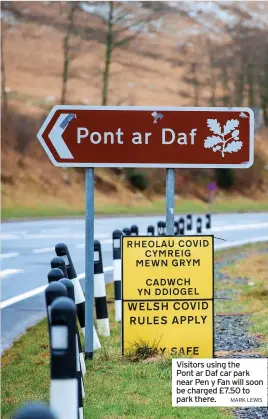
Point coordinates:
[(44, 250), (36, 291), (240, 227), (241, 242), (7, 272), (20, 297), (102, 236), (55, 236), (9, 255), (55, 230), (52, 235), (13, 232), (78, 246), (82, 245), (9, 236)]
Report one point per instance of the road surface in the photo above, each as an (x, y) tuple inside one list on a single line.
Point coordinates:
[(28, 247)]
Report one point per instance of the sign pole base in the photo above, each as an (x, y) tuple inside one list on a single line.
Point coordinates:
[(88, 355)]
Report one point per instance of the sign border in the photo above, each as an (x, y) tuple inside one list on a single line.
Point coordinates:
[(244, 165), (194, 299)]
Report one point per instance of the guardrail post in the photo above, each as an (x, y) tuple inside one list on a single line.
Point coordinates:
[(208, 221), (150, 230), (181, 226), (62, 250), (78, 292), (161, 228), (199, 225), (64, 384), (54, 275), (81, 389), (126, 231), (59, 262), (70, 293), (134, 230), (176, 228), (53, 290), (100, 292), (189, 222), (117, 234)]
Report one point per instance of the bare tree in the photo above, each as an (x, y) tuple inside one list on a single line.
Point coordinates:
[(263, 88), (108, 53), (122, 27), (212, 73), (195, 82), (3, 77), (236, 68), (193, 77), (244, 49), (67, 49), (225, 82)]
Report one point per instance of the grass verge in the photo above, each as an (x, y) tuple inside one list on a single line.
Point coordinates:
[(114, 388), (117, 388), (144, 208), (23, 212), (248, 281)]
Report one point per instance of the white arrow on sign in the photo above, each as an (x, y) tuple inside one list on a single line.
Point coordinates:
[(56, 133)]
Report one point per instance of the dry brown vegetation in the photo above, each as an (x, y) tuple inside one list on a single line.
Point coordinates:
[(176, 67)]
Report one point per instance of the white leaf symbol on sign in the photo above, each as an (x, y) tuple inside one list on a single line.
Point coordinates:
[(56, 133), (219, 141)]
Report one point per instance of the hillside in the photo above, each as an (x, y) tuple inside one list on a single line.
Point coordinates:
[(155, 68)]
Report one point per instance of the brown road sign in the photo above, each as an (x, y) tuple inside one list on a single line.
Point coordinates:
[(95, 136)]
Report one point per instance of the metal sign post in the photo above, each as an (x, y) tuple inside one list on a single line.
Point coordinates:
[(89, 260), (170, 186)]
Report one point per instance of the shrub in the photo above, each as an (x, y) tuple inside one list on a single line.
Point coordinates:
[(19, 130), (138, 180), (142, 350), (253, 177), (225, 178)]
